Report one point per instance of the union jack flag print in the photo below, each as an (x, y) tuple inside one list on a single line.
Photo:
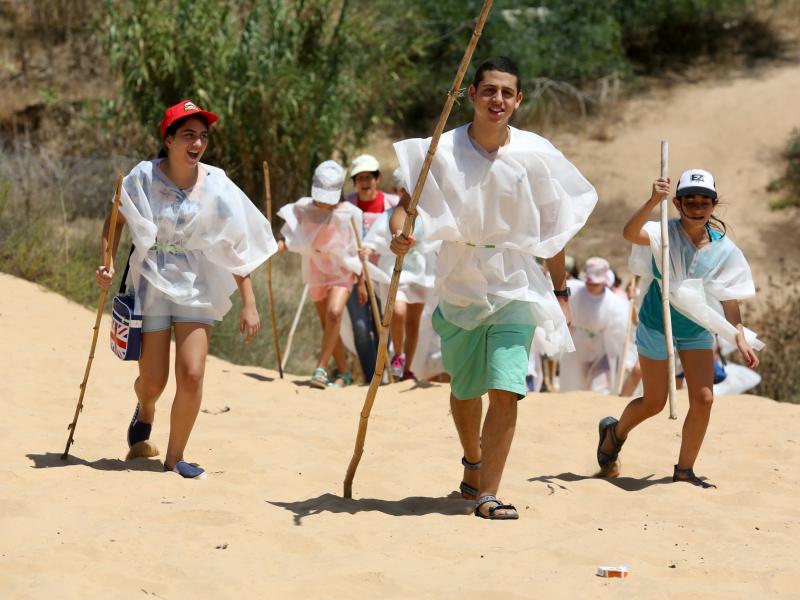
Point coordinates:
[(126, 328), (119, 338)]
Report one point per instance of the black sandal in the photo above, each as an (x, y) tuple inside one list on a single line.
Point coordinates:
[(687, 475), (467, 491), (498, 506), (605, 459)]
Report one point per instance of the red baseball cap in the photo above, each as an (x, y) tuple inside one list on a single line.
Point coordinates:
[(184, 108)]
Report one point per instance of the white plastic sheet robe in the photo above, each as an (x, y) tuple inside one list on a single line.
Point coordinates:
[(599, 323), (190, 243), (325, 240), (418, 277), (495, 213), (700, 279)]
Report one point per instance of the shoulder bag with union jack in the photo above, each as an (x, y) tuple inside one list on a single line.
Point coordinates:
[(126, 326)]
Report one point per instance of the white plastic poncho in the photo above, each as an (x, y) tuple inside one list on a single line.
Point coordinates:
[(418, 277), (700, 279), (190, 243), (599, 324), (495, 213), (325, 240)]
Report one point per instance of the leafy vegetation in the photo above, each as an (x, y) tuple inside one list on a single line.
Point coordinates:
[(789, 185)]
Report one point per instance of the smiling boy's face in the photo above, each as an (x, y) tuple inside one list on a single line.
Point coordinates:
[(496, 97)]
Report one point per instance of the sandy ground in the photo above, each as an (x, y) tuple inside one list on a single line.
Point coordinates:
[(270, 521)]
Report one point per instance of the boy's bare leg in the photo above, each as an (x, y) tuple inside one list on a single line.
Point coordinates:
[(467, 419), (498, 433)]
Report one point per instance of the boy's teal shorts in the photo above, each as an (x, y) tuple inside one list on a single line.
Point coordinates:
[(489, 357)]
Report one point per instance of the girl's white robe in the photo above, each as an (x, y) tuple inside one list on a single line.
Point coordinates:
[(700, 279), (418, 277), (190, 243), (495, 213), (325, 240)]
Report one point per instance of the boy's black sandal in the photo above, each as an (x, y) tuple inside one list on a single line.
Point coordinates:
[(688, 476), (498, 505), (468, 491)]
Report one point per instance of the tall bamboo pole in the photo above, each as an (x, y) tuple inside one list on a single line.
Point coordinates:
[(293, 328), (268, 207), (107, 256), (408, 227), (665, 268), (376, 313)]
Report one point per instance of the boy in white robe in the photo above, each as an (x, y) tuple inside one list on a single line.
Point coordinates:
[(497, 197)]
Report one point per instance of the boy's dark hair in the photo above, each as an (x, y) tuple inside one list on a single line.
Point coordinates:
[(173, 129), (498, 63)]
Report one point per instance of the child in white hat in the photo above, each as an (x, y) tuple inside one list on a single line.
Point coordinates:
[(319, 229), (708, 277)]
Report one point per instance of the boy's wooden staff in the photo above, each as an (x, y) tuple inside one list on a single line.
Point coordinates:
[(665, 266), (628, 330), (376, 313), (268, 202), (293, 328), (408, 227), (107, 255)]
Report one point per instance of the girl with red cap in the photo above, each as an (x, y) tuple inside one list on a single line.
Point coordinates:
[(196, 238)]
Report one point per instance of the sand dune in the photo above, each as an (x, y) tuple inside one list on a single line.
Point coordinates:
[(270, 522)]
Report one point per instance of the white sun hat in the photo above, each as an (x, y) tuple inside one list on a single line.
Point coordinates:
[(696, 181), (326, 187), (364, 163)]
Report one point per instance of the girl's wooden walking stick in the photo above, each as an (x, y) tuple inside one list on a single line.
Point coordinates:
[(408, 227), (376, 313), (665, 268), (293, 328), (268, 207), (107, 256)]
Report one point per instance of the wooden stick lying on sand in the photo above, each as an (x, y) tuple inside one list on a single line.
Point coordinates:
[(112, 232), (376, 313), (408, 227), (293, 328), (665, 266), (268, 203)]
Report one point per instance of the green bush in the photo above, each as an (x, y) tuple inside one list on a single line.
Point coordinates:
[(789, 184), (294, 81), (778, 323)]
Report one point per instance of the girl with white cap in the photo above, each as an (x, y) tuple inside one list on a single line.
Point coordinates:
[(319, 229), (196, 238), (708, 277)]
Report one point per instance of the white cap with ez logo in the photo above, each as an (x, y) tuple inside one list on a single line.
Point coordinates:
[(697, 182)]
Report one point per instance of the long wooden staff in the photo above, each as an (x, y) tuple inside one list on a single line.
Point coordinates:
[(376, 313), (665, 266), (293, 328), (268, 203), (628, 330), (408, 227), (107, 255)]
